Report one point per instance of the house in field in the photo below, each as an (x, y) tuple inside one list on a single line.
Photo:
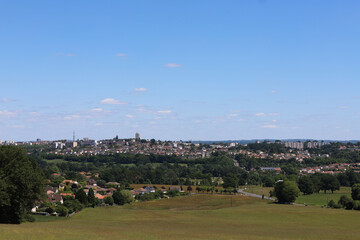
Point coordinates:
[(53, 198), (53, 190), (150, 189), (141, 191), (176, 188)]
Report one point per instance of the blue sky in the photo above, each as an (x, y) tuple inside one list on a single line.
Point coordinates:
[(171, 70)]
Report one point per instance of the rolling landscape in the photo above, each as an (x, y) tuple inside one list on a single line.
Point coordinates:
[(199, 216), (180, 120)]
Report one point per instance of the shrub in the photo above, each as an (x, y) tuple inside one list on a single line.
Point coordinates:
[(337, 206), (356, 205), (344, 200), (349, 205), (331, 204), (62, 211)]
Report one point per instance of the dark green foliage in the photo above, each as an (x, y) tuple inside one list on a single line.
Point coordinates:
[(81, 196), (355, 191), (286, 191), (329, 182), (62, 210), (356, 205), (73, 205), (109, 200), (349, 205), (21, 184), (344, 200), (91, 197), (230, 181), (306, 185), (122, 197), (331, 203)]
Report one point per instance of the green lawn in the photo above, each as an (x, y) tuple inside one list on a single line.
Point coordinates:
[(196, 217), (316, 199), (321, 199)]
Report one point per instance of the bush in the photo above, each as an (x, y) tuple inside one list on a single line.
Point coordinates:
[(344, 200), (356, 205), (109, 200), (29, 218), (337, 206), (49, 210), (122, 197), (62, 211), (331, 204), (349, 205), (286, 191)]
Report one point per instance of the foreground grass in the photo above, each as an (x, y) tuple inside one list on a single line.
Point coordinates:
[(196, 217)]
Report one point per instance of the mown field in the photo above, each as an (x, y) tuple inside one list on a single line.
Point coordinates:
[(196, 217), (316, 199)]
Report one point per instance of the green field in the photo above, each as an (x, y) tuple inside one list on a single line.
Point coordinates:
[(196, 217), (316, 199), (321, 199)]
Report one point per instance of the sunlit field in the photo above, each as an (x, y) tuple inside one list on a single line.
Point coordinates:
[(196, 217), (316, 199)]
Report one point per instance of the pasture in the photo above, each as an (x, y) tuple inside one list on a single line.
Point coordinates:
[(196, 217), (315, 199)]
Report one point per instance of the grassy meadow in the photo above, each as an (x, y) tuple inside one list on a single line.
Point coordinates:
[(196, 217), (316, 199)]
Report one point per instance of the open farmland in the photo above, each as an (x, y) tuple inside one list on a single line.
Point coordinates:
[(196, 217), (315, 199)]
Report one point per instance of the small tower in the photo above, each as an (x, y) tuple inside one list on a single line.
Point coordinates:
[(137, 136)]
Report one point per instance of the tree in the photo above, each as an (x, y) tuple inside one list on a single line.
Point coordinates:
[(306, 185), (91, 197), (21, 184), (81, 196), (230, 181), (109, 200), (286, 191), (355, 191), (62, 211), (344, 200), (189, 188), (329, 182), (122, 197)]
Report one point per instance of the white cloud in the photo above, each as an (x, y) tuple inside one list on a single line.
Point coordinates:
[(96, 110), (111, 101), (6, 100), (266, 114), (65, 54), (121, 55), (269, 126), (344, 107), (273, 91), (164, 111), (72, 117), (173, 65), (129, 116), (140, 89), (99, 124), (232, 115), (6, 113)]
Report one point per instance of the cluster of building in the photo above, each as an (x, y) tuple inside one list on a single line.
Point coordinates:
[(308, 144), (296, 150), (332, 168)]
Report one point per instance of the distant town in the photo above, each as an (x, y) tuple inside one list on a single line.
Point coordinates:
[(294, 150)]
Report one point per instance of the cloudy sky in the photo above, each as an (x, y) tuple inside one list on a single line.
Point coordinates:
[(190, 70)]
